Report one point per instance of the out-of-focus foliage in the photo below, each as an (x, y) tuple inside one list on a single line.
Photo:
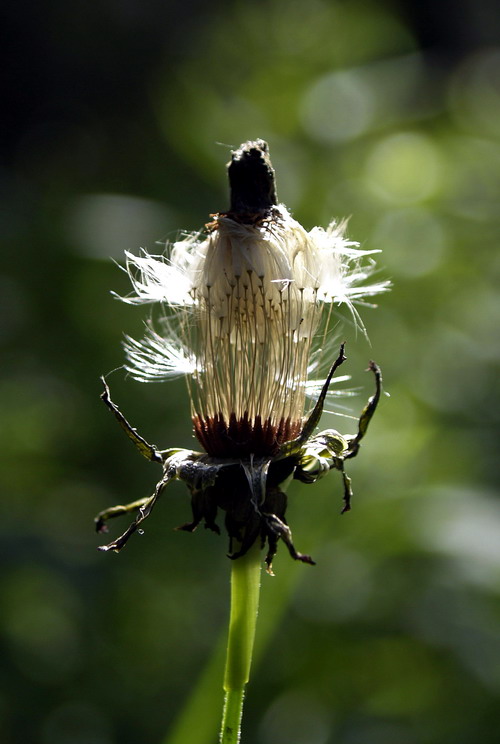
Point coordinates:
[(112, 119)]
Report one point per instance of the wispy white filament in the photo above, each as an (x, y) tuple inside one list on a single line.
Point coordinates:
[(240, 309)]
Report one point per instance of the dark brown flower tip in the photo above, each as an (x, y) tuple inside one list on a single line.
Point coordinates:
[(251, 181), (242, 437)]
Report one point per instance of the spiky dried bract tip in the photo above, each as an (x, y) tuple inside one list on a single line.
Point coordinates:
[(251, 182)]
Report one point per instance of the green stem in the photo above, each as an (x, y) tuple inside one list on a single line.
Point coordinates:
[(245, 590)]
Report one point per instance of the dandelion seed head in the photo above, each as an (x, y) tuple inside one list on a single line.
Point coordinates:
[(245, 310)]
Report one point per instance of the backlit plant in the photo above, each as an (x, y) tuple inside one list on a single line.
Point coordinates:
[(245, 311)]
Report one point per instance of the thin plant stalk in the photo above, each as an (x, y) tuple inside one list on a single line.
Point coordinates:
[(245, 590)]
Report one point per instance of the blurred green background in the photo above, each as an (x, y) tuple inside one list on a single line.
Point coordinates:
[(113, 115)]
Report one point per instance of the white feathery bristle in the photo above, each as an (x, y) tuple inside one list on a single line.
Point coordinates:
[(244, 308)]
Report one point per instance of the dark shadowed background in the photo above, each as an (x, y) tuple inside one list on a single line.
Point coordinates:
[(113, 115)]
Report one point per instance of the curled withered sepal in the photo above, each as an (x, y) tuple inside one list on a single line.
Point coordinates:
[(248, 488)]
